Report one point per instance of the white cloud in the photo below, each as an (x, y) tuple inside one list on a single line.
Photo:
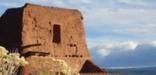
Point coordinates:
[(133, 2), (133, 22), (103, 52), (106, 47), (129, 45), (120, 17), (153, 43), (125, 53), (10, 5)]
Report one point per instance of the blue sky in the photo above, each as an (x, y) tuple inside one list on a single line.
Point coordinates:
[(120, 33)]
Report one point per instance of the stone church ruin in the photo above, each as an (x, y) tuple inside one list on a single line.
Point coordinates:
[(47, 32)]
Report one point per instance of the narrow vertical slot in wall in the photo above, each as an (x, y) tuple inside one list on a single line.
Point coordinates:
[(56, 33)]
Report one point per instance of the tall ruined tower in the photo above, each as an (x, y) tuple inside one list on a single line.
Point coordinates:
[(46, 31)]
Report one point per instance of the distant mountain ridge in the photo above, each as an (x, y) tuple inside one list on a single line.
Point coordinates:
[(134, 71)]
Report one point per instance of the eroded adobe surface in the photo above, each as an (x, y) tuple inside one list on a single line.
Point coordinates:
[(47, 31), (55, 30)]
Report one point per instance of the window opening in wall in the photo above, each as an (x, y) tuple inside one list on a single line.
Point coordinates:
[(56, 33)]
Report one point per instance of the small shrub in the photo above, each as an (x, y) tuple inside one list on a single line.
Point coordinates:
[(58, 67), (10, 62)]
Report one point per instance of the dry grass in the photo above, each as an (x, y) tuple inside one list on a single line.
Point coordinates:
[(10, 62)]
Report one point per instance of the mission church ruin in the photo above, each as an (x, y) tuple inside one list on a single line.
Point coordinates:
[(50, 32)]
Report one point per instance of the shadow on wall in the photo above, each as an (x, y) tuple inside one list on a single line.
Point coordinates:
[(90, 67), (11, 28)]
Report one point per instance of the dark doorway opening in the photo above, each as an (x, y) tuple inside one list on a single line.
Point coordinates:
[(56, 33)]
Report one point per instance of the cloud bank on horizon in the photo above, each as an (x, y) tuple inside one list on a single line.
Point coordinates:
[(119, 32)]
